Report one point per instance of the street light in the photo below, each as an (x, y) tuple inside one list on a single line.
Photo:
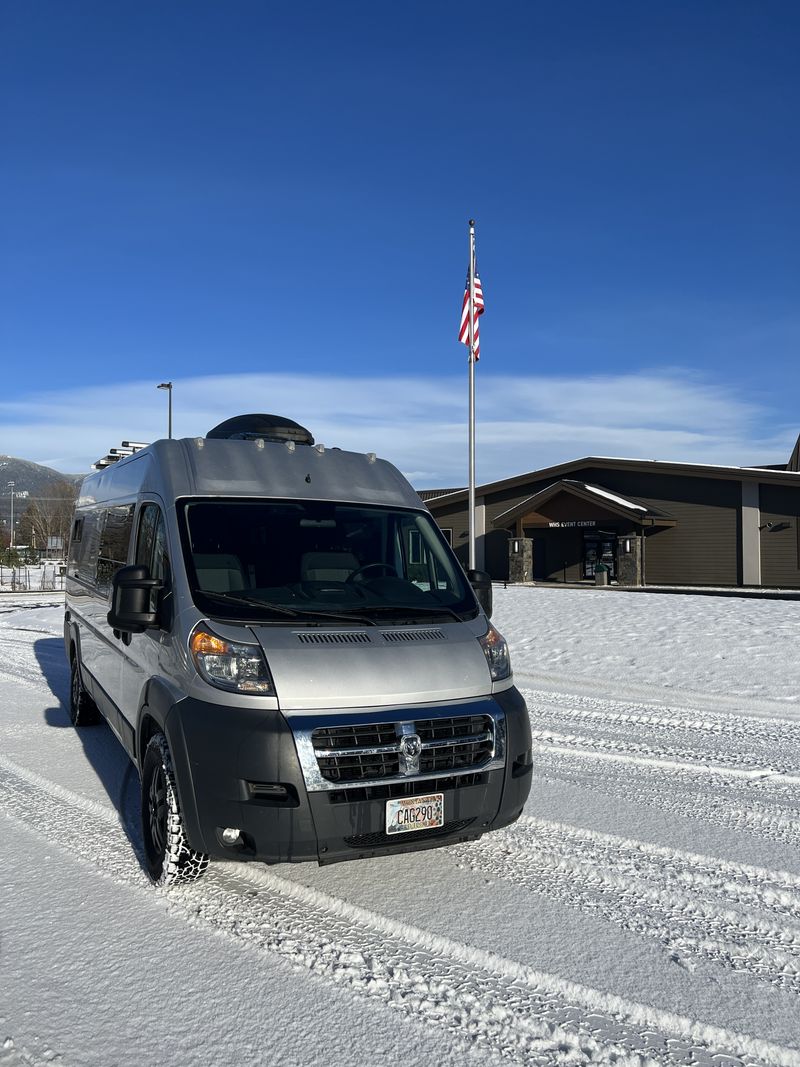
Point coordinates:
[(168, 387), (10, 486)]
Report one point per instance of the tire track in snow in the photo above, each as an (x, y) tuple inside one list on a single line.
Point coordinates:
[(769, 758), (12, 1055), (772, 729), (617, 688), (708, 763), (523, 1015), (604, 879), (773, 891), (726, 797), (771, 745)]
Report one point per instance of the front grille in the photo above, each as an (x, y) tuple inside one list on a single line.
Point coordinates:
[(358, 767), (377, 839), (477, 745), (358, 794), (365, 752), (357, 736)]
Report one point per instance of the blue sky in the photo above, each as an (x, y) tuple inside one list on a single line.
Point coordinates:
[(267, 204)]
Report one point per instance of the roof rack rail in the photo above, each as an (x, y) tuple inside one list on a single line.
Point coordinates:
[(114, 455)]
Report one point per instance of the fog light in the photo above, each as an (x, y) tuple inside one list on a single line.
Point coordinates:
[(230, 835)]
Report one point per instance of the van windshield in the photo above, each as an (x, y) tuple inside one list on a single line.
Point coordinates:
[(269, 560)]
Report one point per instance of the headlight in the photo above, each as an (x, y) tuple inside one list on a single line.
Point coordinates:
[(239, 668), (496, 651)]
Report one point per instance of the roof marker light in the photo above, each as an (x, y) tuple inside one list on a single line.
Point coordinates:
[(319, 448), (260, 444), (371, 457), (290, 445)]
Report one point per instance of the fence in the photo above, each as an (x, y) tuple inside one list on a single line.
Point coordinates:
[(42, 579)]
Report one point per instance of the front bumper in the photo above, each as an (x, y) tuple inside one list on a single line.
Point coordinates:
[(241, 768)]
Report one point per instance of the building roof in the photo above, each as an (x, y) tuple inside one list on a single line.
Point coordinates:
[(593, 494), (431, 494), (653, 466), (794, 459)]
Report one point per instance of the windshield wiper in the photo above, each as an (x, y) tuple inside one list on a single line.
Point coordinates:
[(283, 609), (233, 598)]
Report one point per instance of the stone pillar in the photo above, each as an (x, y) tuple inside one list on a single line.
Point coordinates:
[(520, 559), (629, 559)]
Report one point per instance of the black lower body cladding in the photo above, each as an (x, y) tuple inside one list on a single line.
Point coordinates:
[(238, 767)]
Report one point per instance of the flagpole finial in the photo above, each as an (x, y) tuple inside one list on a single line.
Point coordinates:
[(472, 222)]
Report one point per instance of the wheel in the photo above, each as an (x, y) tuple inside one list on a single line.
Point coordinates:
[(372, 566), (169, 858), (82, 709)]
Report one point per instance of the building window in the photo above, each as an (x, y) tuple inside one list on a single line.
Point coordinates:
[(448, 535)]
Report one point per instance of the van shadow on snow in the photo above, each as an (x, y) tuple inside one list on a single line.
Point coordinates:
[(105, 754)]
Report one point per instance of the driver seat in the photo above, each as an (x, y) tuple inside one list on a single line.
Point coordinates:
[(219, 572), (327, 566)]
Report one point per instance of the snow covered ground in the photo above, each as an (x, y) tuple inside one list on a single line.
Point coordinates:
[(645, 909)]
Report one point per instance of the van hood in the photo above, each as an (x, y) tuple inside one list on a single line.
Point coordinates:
[(379, 666)]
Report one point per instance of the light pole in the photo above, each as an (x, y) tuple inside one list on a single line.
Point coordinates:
[(11, 491), (168, 387)]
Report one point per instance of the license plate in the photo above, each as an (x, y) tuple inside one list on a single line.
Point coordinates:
[(407, 814)]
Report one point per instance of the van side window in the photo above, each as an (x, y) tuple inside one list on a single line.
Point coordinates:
[(114, 541), (151, 544), (160, 565), (148, 518), (83, 546)]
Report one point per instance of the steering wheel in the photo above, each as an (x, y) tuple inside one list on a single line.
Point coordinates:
[(369, 567)]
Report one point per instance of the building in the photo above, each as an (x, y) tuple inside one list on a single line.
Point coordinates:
[(650, 522)]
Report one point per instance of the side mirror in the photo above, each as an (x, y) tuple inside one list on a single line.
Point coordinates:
[(130, 600), (481, 583)]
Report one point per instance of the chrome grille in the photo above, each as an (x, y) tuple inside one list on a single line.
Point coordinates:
[(356, 736), (365, 752), (455, 743), (356, 794)]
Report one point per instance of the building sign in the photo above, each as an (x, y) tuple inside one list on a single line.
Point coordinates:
[(574, 522)]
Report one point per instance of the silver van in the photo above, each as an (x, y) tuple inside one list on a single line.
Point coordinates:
[(285, 644)]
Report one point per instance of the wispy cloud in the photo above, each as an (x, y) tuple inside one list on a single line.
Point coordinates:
[(420, 423)]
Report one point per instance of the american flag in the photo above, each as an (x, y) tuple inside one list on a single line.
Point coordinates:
[(463, 333)]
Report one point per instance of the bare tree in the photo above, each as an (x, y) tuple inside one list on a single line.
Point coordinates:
[(48, 517)]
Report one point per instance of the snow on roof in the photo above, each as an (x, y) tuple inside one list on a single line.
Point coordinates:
[(612, 496), (685, 463)]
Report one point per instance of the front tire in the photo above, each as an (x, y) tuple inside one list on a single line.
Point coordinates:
[(82, 709), (169, 858)]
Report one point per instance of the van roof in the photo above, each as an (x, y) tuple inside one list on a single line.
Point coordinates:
[(199, 466)]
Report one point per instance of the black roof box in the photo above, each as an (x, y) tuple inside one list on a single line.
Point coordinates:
[(267, 427)]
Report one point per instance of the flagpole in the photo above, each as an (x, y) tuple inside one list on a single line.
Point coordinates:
[(471, 504)]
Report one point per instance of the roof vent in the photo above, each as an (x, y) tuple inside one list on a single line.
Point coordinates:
[(266, 427)]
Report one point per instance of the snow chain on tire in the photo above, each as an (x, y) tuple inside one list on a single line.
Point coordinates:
[(82, 709), (179, 861)]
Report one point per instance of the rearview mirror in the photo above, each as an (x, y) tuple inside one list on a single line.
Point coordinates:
[(481, 583), (131, 589)]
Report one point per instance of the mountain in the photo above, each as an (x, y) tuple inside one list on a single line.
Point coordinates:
[(31, 481)]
